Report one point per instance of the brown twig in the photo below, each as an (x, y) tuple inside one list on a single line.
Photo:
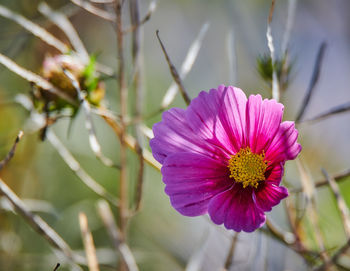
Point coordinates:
[(123, 99), (229, 259), (115, 234), (174, 72), (57, 266), (11, 153), (344, 210), (94, 10), (314, 79), (330, 112), (135, 25), (137, 64), (88, 241)]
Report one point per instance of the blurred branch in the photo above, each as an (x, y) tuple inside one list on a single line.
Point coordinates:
[(232, 57), (130, 141), (11, 153), (65, 25), (151, 8), (94, 10), (115, 234), (81, 173), (38, 225), (94, 144), (138, 82), (229, 259), (57, 266), (333, 111), (314, 78), (290, 21), (275, 83), (33, 28), (174, 72), (196, 260), (344, 210), (34, 78), (88, 241)]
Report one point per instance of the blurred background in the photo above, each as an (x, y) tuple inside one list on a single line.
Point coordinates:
[(160, 238)]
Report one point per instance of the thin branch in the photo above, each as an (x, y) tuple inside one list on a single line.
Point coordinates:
[(35, 29), (38, 224), (34, 78), (78, 170), (94, 10), (57, 266), (292, 4), (123, 100), (130, 141), (229, 259), (115, 234), (88, 241), (287, 238), (151, 9), (174, 72), (65, 25), (275, 83), (94, 144), (314, 79), (138, 67), (343, 208), (331, 112), (11, 153)]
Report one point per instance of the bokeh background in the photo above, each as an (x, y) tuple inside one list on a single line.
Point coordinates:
[(160, 238)]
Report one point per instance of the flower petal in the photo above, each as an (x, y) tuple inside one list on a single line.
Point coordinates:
[(192, 180), (219, 117), (173, 135), (236, 209), (263, 120), (268, 195), (274, 174), (284, 145)]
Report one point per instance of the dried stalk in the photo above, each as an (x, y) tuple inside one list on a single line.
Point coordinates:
[(174, 72), (123, 91), (343, 208), (115, 234), (151, 9), (11, 153), (78, 170), (88, 241), (314, 79), (331, 112), (65, 25), (35, 29), (94, 144), (34, 78), (229, 259), (137, 61), (39, 225), (94, 10), (275, 83)]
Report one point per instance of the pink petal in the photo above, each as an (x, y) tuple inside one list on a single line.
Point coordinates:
[(263, 121), (274, 174), (284, 146), (236, 209), (268, 195), (173, 135), (192, 180)]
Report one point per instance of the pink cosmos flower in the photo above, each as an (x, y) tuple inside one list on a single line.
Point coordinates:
[(224, 155)]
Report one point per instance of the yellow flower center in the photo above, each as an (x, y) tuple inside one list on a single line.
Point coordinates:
[(248, 168)]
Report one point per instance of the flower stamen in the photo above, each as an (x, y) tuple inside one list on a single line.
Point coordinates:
[(248, 168)]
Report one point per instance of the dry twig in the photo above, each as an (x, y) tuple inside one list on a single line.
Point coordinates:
[(115, 234), (11, 153), (94, 10), (88, 241), (229, 259), (174, 72)]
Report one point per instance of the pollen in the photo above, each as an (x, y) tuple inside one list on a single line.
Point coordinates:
[(248, 168)]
